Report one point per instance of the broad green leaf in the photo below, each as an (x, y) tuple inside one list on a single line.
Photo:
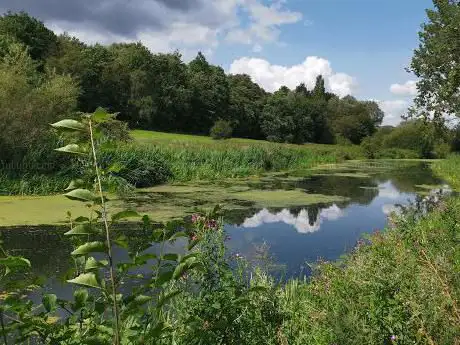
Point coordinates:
[(163, 278), (101, 115), (81, 219), (80, 195), (124, 214), (122, 241), (74, 184), (69, 124), (92, 264), (86, 279), (90, 247), (81, 229), (142, 259), (188, 256), (177, 235), (180, 270), (13, 262), (80, 297), (170, 257), (49, 302), (71, 148), (167, 297)]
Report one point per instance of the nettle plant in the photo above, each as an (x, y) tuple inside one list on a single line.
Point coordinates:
[(101, 312)]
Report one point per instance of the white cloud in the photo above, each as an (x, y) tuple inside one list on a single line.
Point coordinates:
[(388, 191), (272, 77), (302, 222), (393, 111), (185, 25), (264, 23), (409, 88)]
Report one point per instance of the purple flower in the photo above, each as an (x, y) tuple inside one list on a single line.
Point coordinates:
[(195, 218), (393, 337)]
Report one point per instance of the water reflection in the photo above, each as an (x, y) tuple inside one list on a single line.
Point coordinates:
[(303, 222), (294, 235)]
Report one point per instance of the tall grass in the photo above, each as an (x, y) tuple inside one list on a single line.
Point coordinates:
[(449, 169)]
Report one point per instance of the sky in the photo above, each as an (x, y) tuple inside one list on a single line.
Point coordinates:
[(361, 47)]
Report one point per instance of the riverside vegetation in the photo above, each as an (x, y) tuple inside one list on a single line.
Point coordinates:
[(45, 77), (205, 296)]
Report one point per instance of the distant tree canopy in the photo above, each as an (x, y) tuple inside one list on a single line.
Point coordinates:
[(161, 92), (437, 61)]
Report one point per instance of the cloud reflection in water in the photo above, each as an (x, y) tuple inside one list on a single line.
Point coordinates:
[(302, 222)]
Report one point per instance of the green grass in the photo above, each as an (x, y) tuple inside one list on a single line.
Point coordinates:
[(449, 169), (202, 158)]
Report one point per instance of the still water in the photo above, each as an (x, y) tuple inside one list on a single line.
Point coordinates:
[(293, 236)]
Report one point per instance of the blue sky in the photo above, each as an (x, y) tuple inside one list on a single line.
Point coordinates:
[(360, 46)]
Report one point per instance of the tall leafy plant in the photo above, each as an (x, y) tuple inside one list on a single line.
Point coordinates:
[(102, 310)]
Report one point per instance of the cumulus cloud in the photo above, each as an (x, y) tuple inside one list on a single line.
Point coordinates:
[(264, 22), (162, 24), (393, 110), (272, 77), (409, 88), (302, 222)]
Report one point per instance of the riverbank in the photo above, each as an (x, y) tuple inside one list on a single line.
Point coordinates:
[(398, 286), (154, 158)]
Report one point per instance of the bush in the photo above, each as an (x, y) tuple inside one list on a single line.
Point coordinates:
[(114, 130), (441, 150), (221, 130)]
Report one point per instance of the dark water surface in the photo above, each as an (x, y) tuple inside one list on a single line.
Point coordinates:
[(293, 236)]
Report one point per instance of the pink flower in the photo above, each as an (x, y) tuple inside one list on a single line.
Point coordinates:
[(194, 238)]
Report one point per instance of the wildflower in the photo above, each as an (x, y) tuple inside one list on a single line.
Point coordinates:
[(211, 224), (238, 256), (195, 218), (393, 337), (194, 238)]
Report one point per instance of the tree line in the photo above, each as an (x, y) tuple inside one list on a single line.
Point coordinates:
[(162, 92)]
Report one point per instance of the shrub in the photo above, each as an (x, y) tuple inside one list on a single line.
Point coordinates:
[(441, 150), (114, 130), (221, 130)]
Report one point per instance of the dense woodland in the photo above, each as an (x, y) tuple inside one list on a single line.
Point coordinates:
[(162, 92), (45, 77)]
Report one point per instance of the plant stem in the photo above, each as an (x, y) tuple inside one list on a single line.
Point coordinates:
[(107, 233)]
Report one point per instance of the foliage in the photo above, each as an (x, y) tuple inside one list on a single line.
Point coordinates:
[(100, 311), (410, 139), (221, 130), (436, 61), (41, 41), (400, 286), (449, 170), (29, 101), (353, 119)]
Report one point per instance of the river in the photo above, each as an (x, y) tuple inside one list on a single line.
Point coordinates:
[(354, 198)]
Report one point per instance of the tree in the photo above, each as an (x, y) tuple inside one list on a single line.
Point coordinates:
[(352, 119), (40, 41), (209, 94), (29, 102), (437, 61), (319, 91), (246, 104)]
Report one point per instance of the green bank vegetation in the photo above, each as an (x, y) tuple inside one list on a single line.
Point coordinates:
[(401, 285)]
